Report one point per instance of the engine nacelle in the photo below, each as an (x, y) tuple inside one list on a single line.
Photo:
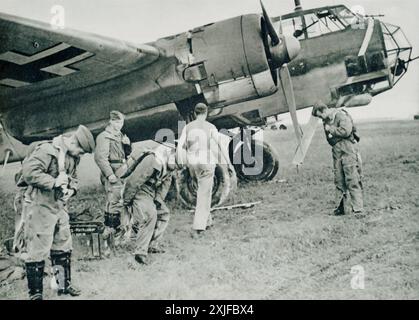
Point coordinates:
[(233, 61)]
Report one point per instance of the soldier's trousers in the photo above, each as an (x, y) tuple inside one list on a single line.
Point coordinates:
[(348, 182), (114, 196), (46, 229), (204, 175), (148, 222)]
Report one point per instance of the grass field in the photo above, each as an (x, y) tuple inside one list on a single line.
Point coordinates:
[(289, 247)]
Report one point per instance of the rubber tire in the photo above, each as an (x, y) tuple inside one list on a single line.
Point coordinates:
[(270, 164), (225, 183)]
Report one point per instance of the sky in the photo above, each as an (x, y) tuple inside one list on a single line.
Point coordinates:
[(143, 21)]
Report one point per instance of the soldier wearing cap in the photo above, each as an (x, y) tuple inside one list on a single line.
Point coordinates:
[(50, 174), (147, 188), (112, 150), (342, 136), (201, 141)]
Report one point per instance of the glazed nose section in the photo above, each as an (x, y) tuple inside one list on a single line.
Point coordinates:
[(293, 47), (399, 50)]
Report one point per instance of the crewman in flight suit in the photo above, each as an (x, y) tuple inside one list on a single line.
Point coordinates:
[(50, 173), (146, 190), (342, 136), (112, 149)]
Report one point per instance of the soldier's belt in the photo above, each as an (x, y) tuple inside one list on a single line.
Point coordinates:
[(117, 161), (131, 163), (335, 141)]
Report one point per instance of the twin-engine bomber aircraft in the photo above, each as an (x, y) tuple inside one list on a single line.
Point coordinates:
[(247, 69)]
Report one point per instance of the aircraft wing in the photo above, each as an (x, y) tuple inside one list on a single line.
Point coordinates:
[(37, 59)]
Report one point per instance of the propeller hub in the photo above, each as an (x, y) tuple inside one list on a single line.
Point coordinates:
[(287, 50), (293, 47), (282, 49)]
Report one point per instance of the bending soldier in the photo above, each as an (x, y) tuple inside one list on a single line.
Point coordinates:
[(146, 190), (341, 135), (50, 173)]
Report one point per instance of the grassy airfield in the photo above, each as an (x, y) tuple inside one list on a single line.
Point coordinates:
[(288, 247)]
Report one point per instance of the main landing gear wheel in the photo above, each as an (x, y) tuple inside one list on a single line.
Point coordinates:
[(266, 159), (225, 182)]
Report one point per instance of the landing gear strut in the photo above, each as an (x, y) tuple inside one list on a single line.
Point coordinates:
[(253, 160)]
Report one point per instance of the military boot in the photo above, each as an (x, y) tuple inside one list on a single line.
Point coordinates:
[(340, 209), (112, 230), (113, 220), (35, 275), (63, 260)]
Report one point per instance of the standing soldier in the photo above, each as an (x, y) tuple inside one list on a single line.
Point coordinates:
[(341, 135), (50, 173), (112, 150), (146, 191), (202, 143)]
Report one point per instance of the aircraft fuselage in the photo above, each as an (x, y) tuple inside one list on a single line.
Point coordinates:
[(224, 64)]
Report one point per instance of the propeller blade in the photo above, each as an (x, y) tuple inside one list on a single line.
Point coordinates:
[(11, 150), (302, 148), (1, 134), (281, 31), (288, 89), (6, 161), (269, 26)]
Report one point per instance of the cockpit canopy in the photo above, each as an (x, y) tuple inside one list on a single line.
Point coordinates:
[(317, 22)]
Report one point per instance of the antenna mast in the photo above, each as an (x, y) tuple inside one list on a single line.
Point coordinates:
[(298, 6)]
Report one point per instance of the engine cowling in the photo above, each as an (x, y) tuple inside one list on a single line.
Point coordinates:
[(234, 61)]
